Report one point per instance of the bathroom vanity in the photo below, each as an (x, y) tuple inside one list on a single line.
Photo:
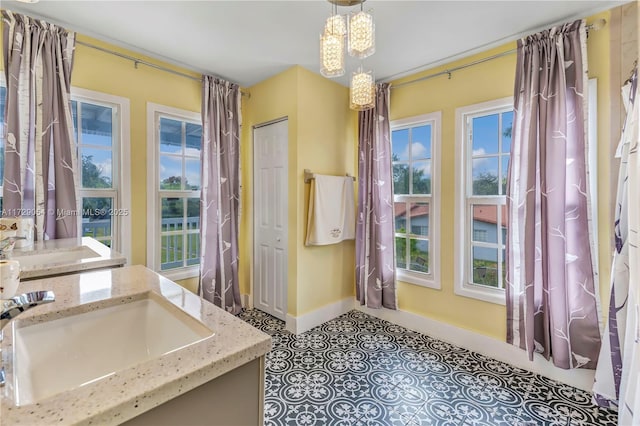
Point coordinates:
[(64, 256), (126, 345)]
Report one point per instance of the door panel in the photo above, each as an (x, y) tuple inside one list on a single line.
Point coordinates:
[(270, 218)]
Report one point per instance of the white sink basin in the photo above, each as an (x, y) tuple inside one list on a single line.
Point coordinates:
[(61, 256), (69, 352)]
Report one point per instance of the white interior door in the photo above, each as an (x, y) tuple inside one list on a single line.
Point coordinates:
[(270, 218)]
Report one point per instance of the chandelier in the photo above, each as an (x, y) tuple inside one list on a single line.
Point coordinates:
[(354, 33)]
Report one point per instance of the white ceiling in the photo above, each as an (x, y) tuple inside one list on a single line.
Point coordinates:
[(249, 41)]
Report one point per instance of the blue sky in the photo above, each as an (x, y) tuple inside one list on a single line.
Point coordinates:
[(171, 143)]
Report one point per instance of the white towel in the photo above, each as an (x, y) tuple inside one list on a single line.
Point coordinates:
[(332, 217)]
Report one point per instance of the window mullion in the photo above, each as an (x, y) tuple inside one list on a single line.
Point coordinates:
[(410, 171), (500, 243), (183, 145), (184, 234), (79, 140), (489, 200), (468, 152)]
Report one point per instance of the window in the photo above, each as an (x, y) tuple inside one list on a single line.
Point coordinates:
[(483, 152), (97, 122), (415, 147), (174, 179), (101, 132)]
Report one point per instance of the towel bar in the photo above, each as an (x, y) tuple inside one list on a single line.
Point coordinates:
[(308, 175)]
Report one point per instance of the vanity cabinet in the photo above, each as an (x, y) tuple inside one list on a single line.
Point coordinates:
[(233, 399)]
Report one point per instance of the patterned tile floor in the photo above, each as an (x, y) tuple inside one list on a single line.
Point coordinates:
[(360, 370)]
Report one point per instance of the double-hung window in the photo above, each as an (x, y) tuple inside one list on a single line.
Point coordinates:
[(174, 191), (415, 149), (482, 153), (101, 133)]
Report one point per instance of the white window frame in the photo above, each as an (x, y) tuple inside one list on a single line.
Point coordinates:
[(461, 236), (121, 167), (462, 227), (432, 279), (154, 194)]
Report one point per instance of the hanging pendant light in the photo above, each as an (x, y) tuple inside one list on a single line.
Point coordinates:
[(332, 46), (363, 90), (357, 33), (362, 40), (331, 55)]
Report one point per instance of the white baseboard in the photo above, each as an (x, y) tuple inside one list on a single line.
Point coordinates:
[(302, 323), (489, 346), (247, 301)]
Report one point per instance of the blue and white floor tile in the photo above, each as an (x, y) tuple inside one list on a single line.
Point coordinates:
[(358, 370)]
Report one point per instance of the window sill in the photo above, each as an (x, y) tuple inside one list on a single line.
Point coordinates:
[(181, 273), (486, 294), (417, 278)]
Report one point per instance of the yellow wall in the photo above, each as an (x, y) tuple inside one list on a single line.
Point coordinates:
[(321, 138), (274, 98), (326, 145), (484, 82), (598, 52)]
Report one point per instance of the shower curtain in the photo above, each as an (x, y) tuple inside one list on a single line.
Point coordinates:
[(618, 371)]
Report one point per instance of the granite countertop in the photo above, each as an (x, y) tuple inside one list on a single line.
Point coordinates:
[(130, 392), (107, 258)]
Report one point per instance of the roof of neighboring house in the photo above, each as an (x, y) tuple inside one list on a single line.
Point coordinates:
[(400, 209), (485, 214)]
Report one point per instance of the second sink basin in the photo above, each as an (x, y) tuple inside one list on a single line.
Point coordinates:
[(61, 256), (65, 353)]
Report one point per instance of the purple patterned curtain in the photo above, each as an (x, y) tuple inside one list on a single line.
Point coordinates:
[(551, 287), (40, 154), (220, 194), (375, 266)]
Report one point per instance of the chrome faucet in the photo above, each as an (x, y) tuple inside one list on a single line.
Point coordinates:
[(13, 307)]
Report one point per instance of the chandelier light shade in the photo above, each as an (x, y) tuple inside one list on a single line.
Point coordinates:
[(362, 40), (331, 54), (355, 33), (363, 90), (336, 24)]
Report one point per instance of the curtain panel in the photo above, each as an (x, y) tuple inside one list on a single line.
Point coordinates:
[(220, 194), (629, 398), (620, 338), (551, 287), (40, 155), (375, 266)]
